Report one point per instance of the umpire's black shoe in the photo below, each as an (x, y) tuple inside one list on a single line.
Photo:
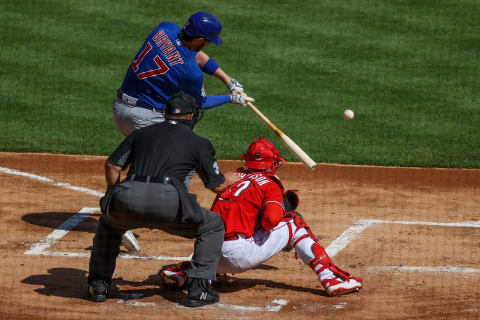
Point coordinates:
[(200, 293), (98, 290)]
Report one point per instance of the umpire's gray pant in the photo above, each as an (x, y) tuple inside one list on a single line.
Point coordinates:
[(153, 205)]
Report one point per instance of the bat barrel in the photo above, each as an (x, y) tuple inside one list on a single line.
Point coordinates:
[(292, 146)]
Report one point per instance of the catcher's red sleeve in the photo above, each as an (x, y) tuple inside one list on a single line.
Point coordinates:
[(272, 215)]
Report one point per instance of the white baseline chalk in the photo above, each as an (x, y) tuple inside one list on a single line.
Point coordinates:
[(354, 231), (58, 184), (40, 247), (347, 236), (61, 231), (121, 255), (464, 224), (426, 269)]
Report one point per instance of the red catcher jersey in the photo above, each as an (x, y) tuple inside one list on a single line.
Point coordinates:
[(241, 205)]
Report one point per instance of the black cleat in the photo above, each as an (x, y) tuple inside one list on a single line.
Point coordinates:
[(200, 293), (98, 290)]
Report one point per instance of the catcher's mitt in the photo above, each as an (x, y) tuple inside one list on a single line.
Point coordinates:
[(290, 201)]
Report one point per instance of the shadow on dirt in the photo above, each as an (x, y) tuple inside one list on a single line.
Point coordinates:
[(234, 284), (55, 219), (227, 284), (265, 267), (152, 286), (60, 282), (72, 283)]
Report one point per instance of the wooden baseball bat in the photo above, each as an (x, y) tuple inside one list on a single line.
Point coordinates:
[(292, 146)]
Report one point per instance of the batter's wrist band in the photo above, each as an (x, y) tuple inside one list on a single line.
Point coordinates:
[(210, 67)]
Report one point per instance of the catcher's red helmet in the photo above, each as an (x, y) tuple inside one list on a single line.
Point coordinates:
[(262, 155)]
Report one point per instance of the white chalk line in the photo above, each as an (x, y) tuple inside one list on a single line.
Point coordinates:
[(464, 224), (48, 180), (275, 306), (40, 247), (60, 232), (448, 269), (121, 255), (354, 231), (346, 237)]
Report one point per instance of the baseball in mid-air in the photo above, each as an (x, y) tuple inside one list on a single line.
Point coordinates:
[(348, 114)]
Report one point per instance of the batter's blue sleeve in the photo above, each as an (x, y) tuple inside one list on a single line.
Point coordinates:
[(215, 101)]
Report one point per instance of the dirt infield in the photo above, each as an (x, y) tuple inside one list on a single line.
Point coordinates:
[(412, 234)]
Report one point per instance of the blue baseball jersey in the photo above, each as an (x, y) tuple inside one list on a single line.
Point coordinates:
[(162, 67)]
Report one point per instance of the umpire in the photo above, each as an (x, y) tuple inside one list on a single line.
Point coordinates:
[(162, 158)]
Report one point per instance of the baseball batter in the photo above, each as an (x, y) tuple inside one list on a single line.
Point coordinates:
[(171, 60), (257, 226)]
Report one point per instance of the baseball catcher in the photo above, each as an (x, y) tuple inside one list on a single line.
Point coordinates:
[(260, 221)]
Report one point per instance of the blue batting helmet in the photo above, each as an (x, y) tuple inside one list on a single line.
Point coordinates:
[(204, 24)]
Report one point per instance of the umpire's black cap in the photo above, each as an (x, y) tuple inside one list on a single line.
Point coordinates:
[(181, 103)]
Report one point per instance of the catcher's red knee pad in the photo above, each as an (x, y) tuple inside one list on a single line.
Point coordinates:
[(297, 219)]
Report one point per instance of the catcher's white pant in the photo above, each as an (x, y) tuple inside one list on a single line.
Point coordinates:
[(242, 254), (246, 253)]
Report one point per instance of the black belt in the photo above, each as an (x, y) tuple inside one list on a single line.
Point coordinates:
[(133, 101), (149, 179)]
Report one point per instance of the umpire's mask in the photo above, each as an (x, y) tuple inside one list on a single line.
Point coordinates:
[(180, 104)]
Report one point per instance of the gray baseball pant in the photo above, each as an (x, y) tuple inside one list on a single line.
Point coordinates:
[(153, 205), (128, 118)]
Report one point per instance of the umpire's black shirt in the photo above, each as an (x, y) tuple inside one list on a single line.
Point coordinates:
[(168, 149)]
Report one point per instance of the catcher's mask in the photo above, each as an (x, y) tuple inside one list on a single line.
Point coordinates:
[(262, 155), (181, 104)]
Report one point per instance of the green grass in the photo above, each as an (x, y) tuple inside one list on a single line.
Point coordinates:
[(410, 70)]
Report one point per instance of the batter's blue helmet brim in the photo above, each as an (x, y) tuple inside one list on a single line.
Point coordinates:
[(218, 41)]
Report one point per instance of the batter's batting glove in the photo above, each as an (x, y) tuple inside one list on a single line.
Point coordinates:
[(241, 99), (234, 86)]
